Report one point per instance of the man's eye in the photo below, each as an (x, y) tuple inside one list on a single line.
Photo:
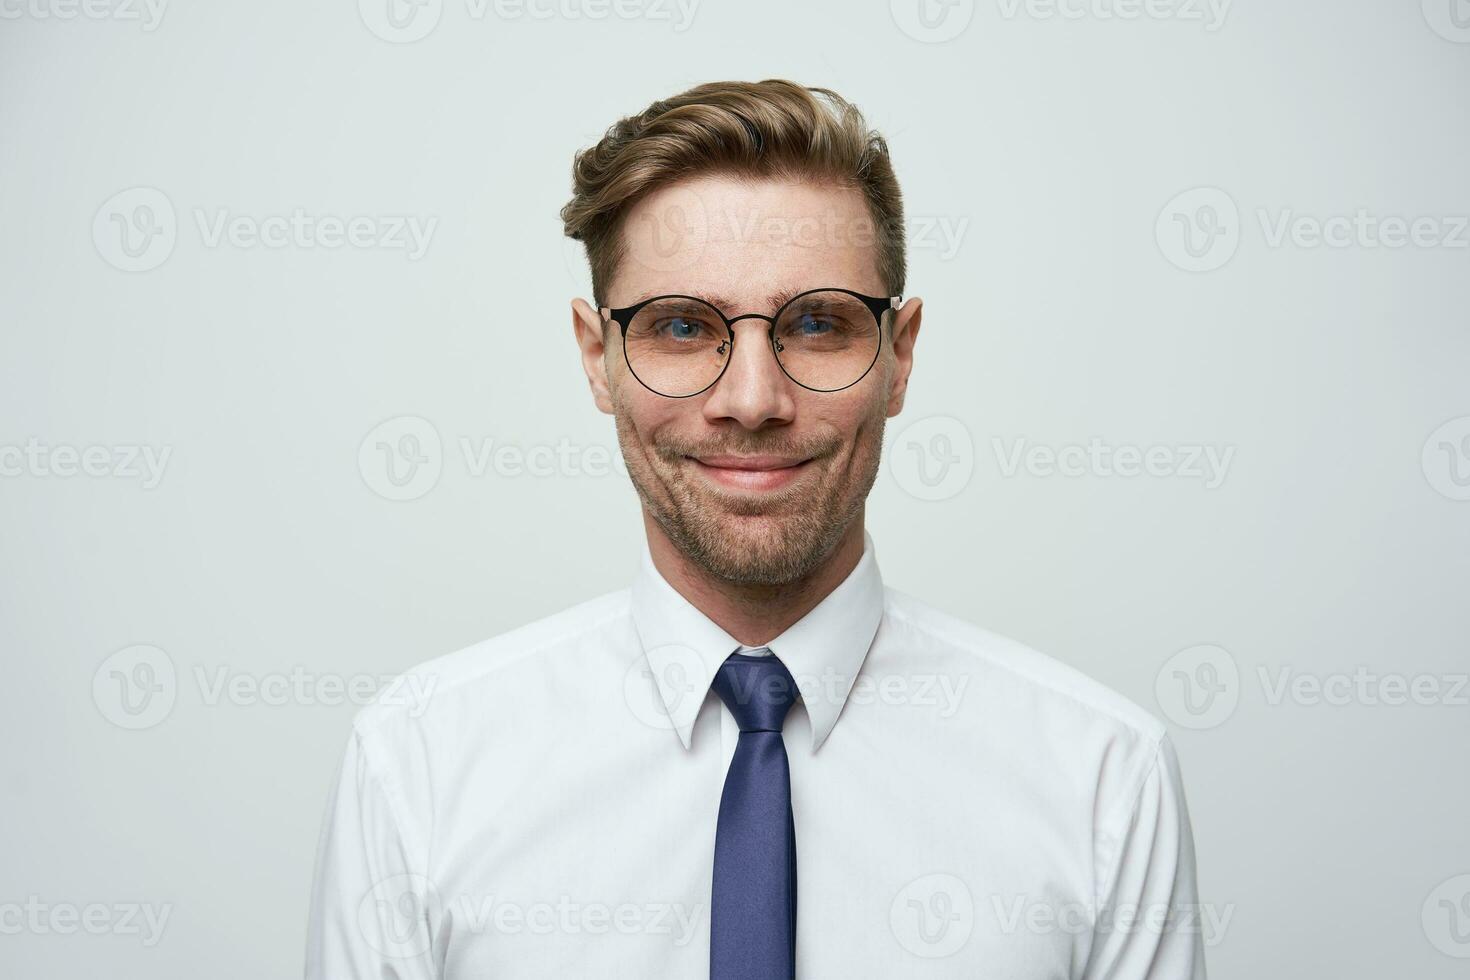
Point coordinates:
[(682, 327), (817, 325)]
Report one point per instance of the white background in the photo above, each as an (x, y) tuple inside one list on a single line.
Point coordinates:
[(1043, 152)]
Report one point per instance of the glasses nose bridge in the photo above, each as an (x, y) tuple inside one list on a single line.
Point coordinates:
[(770, 320), (770, 336)]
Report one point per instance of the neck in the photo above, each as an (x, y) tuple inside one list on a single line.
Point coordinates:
[(754, 614)]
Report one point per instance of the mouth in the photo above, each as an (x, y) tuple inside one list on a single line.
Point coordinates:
[(759, 473)]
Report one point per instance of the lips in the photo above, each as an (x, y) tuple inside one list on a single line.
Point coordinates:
[(750, 462), (760, 473)]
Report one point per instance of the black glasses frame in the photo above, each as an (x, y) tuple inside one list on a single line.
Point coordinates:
[(877, 305)]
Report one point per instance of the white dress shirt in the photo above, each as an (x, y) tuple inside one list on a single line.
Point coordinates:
[(964, 805)]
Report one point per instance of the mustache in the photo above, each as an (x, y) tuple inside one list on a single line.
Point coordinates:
[(675, 449)]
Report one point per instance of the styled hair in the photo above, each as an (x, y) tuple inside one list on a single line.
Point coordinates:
[(774, 128)]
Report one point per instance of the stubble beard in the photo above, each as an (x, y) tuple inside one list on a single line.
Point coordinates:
[(777, 540)]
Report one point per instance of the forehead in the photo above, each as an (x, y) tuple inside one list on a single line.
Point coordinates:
[(746, 244)]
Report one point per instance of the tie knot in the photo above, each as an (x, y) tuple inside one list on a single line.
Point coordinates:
[(757, 690)]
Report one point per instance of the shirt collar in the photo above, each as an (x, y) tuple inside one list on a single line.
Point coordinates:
[(824, 650)]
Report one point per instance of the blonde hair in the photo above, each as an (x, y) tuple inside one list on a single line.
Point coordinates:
[(774, 128)]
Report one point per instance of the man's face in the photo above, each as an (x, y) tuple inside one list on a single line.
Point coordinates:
[(756, 479)]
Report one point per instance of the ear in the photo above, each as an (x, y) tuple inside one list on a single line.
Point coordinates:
[(587, 325), (905, 333)]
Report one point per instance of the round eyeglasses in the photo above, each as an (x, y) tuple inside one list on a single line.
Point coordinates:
[(824, 339)]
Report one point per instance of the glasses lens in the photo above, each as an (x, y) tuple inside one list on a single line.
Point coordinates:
[(677, 346), (827, 340)]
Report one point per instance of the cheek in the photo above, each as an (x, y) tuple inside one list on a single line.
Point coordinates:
[(852, 417), (641, 416)]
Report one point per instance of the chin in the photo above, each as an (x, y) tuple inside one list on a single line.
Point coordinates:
[(768, 549)]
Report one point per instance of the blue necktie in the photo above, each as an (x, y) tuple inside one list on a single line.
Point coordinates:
[(753, 897)]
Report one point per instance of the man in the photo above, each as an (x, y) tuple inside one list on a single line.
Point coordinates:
[(757, 761)]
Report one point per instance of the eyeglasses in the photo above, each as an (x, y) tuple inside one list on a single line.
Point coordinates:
[(824, 339)]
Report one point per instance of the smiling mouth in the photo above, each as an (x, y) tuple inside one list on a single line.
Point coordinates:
[(759, 473)]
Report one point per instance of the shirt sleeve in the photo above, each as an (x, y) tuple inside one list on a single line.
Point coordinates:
[(1149, 925), (371, 903)]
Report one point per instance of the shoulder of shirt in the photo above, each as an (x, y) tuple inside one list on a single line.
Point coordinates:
[(1038, 671), (402, 698)]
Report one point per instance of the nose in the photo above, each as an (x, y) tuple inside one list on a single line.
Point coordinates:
[(753, 391)]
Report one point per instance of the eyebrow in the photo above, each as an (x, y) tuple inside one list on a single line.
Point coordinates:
[(775, 300)]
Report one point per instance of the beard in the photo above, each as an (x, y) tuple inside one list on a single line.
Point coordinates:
[(777, 538)]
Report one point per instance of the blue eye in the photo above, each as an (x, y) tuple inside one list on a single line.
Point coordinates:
[(809, 320), (683, 327)]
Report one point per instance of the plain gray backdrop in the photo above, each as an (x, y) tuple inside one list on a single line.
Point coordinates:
[(289, 402)]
